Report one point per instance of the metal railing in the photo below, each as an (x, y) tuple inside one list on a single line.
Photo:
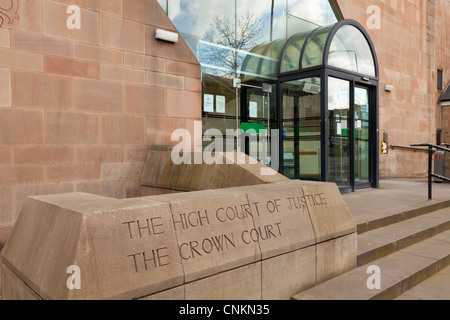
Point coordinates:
[(431, 148)]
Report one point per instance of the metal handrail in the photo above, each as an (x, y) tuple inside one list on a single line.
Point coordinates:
[(393, 146), (429, 145), (430, 165)]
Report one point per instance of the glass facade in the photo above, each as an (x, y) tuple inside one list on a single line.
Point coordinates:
[(238, 39), (292, 66)]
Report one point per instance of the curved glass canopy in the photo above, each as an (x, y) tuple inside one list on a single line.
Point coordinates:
[(344, 45)]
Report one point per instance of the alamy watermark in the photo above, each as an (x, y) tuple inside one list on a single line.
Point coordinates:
[(74, 280), (374, 20), (374, 281), (262, 145)]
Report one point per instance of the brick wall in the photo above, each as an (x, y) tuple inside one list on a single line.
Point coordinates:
[(412, 43), (79, 108)]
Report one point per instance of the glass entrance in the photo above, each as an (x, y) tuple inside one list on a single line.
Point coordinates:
[(257, 117), (362, 137), (340, 132), (302, 129)]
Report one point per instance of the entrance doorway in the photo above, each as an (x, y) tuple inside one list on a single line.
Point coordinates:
[(352, 135), (255, 120), (328, 93), (324, 104)]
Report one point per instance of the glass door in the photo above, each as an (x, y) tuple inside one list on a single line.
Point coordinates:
[(340, 132), (257, 119), (302, 156), (362, 138)]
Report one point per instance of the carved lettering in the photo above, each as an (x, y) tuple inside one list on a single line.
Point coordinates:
[(144, 228), (190, 220), (262, 233), (150, 260), (219, 243)]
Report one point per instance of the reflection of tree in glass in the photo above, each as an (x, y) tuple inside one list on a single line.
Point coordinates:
[(230, 42)]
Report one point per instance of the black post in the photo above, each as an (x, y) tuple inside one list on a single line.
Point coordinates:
[(430, 171)]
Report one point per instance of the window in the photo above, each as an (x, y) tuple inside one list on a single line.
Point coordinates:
[(440, 84)]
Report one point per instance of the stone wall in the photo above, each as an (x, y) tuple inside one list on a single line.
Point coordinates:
[(412, 43), (79, 108)]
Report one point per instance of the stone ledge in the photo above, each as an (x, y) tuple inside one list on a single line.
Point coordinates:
[(134, 248)]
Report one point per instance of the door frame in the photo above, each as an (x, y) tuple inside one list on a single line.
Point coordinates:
[(355, 80)]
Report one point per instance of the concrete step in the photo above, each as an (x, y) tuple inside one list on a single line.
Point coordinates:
[(381, 242), (397, 214), (400, 272), (435, 288)]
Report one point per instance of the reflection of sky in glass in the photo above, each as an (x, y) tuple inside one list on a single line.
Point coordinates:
[(338, 94), (361, 97), (349, 50), (194, 17)]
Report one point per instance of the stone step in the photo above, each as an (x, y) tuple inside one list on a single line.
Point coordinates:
[(435, 288), (381, 242), (400, 272), (400, 214)]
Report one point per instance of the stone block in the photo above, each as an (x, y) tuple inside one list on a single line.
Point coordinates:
[(238, 285), (145, 100), (109, 154), (123, 130), (329, 213), (5, 38), (55, 23), (184, 104), (111, 250), (5, 88), (16, 289), (43, 155), (98, 96), (139, 11), (30, 13), (18, 59), (73, 172), (298, 273), (336, 257), (42, 90), (39, 43), (209, 227), (122, 34), (71, 67), (160, 171), (69, 128), (142, 61), (21, 126), (113, 7), (282, 222), (121, 74), (6, 156), (6, 206), (157, 79), (88, 52), (252, 242)]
